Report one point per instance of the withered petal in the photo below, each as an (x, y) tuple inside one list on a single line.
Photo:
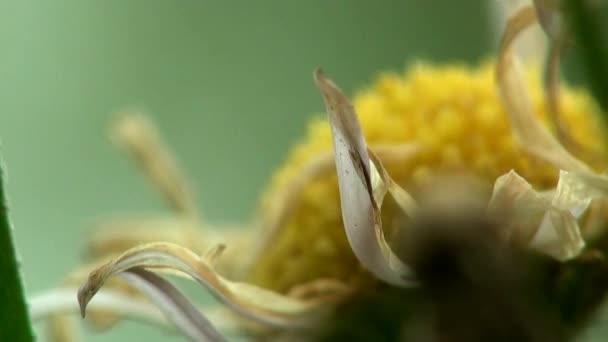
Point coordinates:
[(261, 305), (361, 189)]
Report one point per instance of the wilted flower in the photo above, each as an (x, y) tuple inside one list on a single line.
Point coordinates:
[(321, 244)]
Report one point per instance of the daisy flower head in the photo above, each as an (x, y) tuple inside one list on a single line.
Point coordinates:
[(344, 215)]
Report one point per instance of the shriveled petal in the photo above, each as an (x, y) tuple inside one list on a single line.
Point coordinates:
[(515, 201), (140, 139), (60, 304), (531, 134), (286, 201), (62, 301), (176, 307), (360, 199), (549, 17), (530, 48), (384, 181), (258, 304), (547, 222)]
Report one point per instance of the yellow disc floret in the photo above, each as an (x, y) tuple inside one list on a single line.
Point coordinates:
[(455, 114)]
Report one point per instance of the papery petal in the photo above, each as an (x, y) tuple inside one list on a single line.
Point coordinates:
[(62, 301), (176, 307), (528, 130), (558, 235), (549, 17), (532, 135), (360, 199), (531, 48), (515, 201), (379, 175), (547, 222), (60, 304), (258, 304), (287, 200), (138, 136)]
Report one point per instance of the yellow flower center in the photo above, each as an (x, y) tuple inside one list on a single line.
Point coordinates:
[(456, 116)]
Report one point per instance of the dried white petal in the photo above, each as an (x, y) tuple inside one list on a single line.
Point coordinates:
[(60, 301), (384, 182), (138, 136), (531, 134), (286, 201), (176, 307), (531, 46), (360, 199), (547, 222), (258, 304), (528, 130)]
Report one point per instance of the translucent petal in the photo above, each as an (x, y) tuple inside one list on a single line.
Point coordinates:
[(286, 201), (532, 135), (361, 189), (176, 307), (532, 46), (547, 222), (528, 130), (261, 305), (140, 139), (62, 302)]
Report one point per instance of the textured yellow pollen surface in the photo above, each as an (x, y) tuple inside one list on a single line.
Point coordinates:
[(455, 113)]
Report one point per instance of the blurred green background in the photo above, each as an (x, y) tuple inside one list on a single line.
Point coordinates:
[(228, 83)]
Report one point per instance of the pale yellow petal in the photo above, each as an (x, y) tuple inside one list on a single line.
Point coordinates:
[(544, 221), (250, 301)]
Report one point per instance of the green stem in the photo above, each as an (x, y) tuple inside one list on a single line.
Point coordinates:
[(15, 322)]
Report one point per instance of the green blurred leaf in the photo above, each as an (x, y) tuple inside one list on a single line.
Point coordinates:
[(587, 20), (14, 318)]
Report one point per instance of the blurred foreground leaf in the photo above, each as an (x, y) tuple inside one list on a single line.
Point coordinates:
[(14, 318), (588, 22)]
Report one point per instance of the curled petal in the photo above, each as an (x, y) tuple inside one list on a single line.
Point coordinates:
[(60, 304), (176, 307), (550, 20), (140, 139), (547, 222), (558, 235), (62, 301), (547, 14), (532, 47), (528, 130), (361, 189), (287, 200), (383, 180), (515, 201), (258, 304), (532, 135)]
